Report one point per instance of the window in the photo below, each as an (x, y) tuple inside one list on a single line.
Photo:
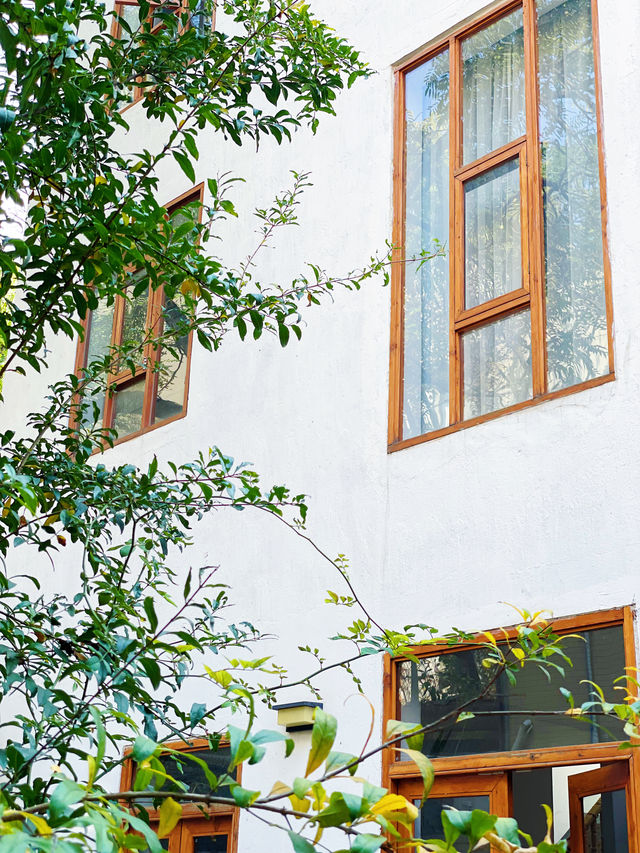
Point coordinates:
[(510, 763), (155, 391), (128, 21), (201, 829), (498, 159)]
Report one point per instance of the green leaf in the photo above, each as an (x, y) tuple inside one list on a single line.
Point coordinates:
[(143, 747), (300, 787), (300, 844), (243, 797), (170, 813), (101, 735), (185, 164), (425, 767), (336, 760), (323, 735), (150, 610), (398, 727), (283, 334), (367, 843), (64, 794), (507, 828), (244, 750), (197, 712), (481, 822), (145, 830), (336, 813)]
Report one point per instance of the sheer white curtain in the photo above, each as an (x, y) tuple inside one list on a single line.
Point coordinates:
[(577, 347), (496, 357), (426, 299)]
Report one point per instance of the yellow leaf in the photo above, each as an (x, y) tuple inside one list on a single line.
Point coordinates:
[(170, 813), (39, 822), (280, 788), (190, 285), (221, 676), (490, 637), (518, 653), (92, 769), (299, 805), (394, 807), (99, 179)]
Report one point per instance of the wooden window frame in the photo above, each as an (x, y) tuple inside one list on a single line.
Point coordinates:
[(125, 378), (623, 616), (532, 293), (397, 774), (223, 818)]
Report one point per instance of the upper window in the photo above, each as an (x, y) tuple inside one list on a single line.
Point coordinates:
[(498, 162), (149, 387)]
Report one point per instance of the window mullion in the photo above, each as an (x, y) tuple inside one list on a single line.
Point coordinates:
[(535, 253), (456, 265)]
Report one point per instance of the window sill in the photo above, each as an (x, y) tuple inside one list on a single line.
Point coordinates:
[(490, 416), (500, 761), (140, 432)]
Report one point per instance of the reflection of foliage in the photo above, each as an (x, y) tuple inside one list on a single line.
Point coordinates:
[(426, 318), (497, 364), (576, 317)]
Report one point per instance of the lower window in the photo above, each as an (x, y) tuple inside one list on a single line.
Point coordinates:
[(591, 803), (201, 829), (521, 751), (210, 834)]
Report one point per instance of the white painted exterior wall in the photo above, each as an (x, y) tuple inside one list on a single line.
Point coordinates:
[(537, 508)]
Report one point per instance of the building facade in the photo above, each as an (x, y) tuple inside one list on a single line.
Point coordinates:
[(469, 435)]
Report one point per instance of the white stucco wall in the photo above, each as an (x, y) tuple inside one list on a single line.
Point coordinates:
[(537, 508)]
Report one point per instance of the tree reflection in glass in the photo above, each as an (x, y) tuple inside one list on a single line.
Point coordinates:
[(426, 294), (577, 347)]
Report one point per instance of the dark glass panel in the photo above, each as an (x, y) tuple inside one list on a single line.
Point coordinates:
[(429, 822), (191, 774), (439, 684), (605, 823), (210, 844)]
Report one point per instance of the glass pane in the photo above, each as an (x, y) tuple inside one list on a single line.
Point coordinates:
[(172, 371), (493, 250), (605, 823), (497, 365), (98, 343), (426, 295), (135, 316), (128, 404), (429, 822), (191, 774), (531, 788), (493, 105), (100, 328), (577, 347), (210, 844), (134, 324), (437, 685), (131, 15), (93, 410)]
